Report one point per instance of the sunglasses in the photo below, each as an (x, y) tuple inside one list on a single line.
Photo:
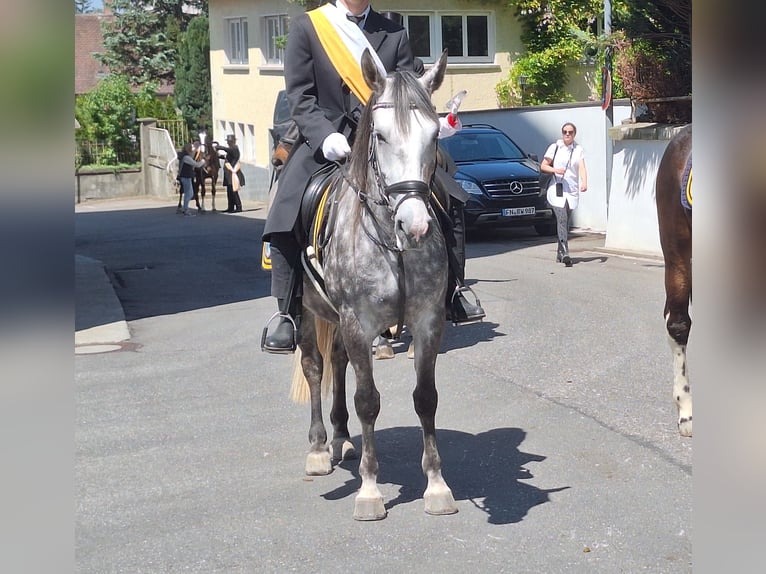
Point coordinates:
[(567, 132)]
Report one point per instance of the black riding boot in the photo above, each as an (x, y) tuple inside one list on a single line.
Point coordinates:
[(284, 338), (459, 310)]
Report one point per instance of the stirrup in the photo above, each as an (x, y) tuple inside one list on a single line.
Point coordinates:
[(266, 330), (459, 289)]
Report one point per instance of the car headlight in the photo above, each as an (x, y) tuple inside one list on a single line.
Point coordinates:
[(469, 186)]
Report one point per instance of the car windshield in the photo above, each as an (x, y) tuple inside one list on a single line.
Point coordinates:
[(481, 147)]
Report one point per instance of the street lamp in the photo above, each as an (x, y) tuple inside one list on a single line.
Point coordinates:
[(522, 85)]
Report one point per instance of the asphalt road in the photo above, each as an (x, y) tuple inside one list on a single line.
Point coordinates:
[(555, 424)]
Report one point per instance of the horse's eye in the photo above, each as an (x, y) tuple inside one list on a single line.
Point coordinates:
[(380, 137)]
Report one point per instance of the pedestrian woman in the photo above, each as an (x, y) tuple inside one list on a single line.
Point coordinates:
[(566, 161), (186, 175), (233, 178)]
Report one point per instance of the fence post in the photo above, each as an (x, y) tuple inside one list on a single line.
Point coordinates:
[(145, 124)]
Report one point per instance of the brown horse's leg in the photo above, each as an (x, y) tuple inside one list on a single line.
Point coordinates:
[(201, 204), (318, 461), (428, 335), (678, 324)]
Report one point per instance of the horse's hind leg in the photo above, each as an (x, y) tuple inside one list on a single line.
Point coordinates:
[(383, 350), (438, 496), (318, 461), (678, 324), (341, 447)]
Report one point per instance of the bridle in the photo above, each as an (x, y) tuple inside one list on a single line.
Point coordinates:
[(401, 190)]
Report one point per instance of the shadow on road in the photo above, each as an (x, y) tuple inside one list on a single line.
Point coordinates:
[(487, 468), (162, 263)]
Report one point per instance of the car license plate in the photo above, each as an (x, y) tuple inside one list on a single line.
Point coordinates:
[(512, 211)]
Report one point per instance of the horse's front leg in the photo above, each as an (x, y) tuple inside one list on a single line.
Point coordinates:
[(368, 504), (678, 324), (201, 203), (341, 448), (428, 334), (212, 190), (318, 461)]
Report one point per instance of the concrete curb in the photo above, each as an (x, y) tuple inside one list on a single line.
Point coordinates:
[(99, 317)]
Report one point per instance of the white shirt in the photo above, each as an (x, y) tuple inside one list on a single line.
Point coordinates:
[(568, 157)]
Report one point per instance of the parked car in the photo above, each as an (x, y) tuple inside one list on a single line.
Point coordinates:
[(281, 119), (501, 178)]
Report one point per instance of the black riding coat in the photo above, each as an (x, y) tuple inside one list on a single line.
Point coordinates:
[(319, 101)]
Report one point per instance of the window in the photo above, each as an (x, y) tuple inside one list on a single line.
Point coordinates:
[(275, 30), (466, 37), (237, 52)]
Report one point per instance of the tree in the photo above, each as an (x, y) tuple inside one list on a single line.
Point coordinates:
[(106, 114), (140, 42), (193, 92), (83, 6), (558, 33)]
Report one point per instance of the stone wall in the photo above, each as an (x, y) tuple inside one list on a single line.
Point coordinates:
[(108, 184), (632, 219)]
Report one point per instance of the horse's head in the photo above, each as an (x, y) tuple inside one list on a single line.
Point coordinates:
[(399, 129)]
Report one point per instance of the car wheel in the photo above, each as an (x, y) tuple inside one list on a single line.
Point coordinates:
[(545, 228)]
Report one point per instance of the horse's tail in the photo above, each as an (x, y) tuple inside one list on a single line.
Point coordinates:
[(299, 390)]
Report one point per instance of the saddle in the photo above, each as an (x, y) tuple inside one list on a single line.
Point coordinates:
[(313, 224), (315, 217), (686, 185)]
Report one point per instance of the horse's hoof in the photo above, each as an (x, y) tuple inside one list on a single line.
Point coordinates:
[(366, 509), (685, 427), (384, 352), (343, 449), (318, 463), (440, 503)]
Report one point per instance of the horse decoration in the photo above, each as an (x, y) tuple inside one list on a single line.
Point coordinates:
[(384, 262), (208, 171), (673, 191)]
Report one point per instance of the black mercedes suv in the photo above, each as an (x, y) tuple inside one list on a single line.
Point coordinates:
[(503, 180)]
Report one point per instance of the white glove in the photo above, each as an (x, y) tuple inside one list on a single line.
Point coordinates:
[(335, 147)]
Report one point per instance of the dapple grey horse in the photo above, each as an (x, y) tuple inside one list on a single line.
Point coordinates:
[(385, 263)]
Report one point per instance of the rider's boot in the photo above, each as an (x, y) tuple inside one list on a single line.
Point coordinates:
[(461, 311), (284, 337)]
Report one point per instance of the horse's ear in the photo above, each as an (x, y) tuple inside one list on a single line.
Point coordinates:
[(371, 74), (434, 77)]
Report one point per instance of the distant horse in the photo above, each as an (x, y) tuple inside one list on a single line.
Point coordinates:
[(675, 222), (208, 171), (385, 263)]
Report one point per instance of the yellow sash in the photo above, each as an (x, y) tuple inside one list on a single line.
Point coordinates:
[(341, 53)]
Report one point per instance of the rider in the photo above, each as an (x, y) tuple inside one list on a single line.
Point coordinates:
[(326, 110)]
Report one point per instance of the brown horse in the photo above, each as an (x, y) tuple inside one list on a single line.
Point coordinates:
[(208, 171), (675, 221)]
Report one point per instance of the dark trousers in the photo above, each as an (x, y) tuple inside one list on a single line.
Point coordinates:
[(229, 198), (562, 228), (233, 201), (285, 260)]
